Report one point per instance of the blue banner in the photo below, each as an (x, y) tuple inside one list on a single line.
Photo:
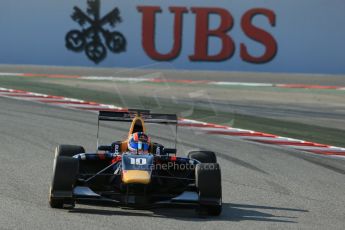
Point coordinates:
[(248, 35)]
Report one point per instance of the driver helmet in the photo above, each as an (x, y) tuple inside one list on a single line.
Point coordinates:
[(139, 142)]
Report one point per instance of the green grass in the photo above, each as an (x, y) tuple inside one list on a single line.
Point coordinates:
[(274, 126)]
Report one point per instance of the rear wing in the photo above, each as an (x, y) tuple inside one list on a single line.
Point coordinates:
[(146, 115)]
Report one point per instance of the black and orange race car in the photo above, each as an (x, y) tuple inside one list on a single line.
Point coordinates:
[(116, 175)]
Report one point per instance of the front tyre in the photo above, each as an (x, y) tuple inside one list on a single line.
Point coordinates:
[(209, 185), (65, 173)]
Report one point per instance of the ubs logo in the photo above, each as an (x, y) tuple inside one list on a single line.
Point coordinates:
[(95, 36)]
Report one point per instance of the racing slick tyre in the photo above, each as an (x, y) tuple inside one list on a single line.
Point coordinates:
[(208, 182), (203, 156), (68, 150), (65, 172)]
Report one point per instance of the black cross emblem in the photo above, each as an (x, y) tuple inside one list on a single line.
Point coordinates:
[(94, 28)]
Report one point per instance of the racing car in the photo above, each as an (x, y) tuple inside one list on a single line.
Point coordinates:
[(136, 172)]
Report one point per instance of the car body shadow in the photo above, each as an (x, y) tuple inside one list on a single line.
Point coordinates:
[(231, 212)]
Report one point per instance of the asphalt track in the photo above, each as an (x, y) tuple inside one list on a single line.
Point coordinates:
[(264, 187)]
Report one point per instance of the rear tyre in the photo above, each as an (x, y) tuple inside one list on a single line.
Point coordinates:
[(68, 150), (203, 156), (65, 173), (208, 182)]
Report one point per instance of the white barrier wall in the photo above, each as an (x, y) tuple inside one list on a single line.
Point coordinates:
[(248, 35)]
